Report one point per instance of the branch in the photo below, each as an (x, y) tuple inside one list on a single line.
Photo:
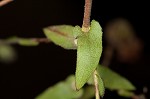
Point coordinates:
[(41, 40), (4, 2), (87, 14)]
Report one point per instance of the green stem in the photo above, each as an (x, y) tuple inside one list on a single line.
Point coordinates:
[(97, 96)]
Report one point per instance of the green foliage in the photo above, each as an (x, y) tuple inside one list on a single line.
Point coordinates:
[(125, 93), (61, 35), (114, 81), (100, 82), (20, 41), (28, 42), (23, 41), (62, 90), (101, 85), (7, 53), (89, 49)]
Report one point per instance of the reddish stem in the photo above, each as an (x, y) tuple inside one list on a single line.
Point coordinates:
[(87, 14)]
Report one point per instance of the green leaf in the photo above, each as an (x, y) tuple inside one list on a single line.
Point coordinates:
[(27, 42), (101, 86), (62, 90), (89, 49), (125, 93), (114, 81), (22, 41), (61, 35), (7, 54)]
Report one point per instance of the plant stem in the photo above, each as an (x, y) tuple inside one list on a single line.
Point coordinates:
[(97, 96), (86, 28), (41, 40), (87, 14)]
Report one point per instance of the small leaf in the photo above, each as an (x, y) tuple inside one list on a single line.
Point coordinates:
[(89, 49), (27, 42), (100, 84), (7, 54), (114, 81), (61, 35), (22, 41), (62, 90)]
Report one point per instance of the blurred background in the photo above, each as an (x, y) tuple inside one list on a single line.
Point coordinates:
[(125, 43)]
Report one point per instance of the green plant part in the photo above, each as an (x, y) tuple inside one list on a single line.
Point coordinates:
[(116, 82), (7, 53), (62, 90), (88, 42), (101, 86), (20, 41), (89, 49), (126, 93), (88, 92), (28, 42), (61, 35)]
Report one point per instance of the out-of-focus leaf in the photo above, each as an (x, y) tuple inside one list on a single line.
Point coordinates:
[(61, 35), (62, 90), (89, 49), (114, 81), (27, 42), (7, 54), (22, 41), (125, 93), (89, 92)]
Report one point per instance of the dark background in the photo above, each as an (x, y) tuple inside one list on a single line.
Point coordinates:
[(39, 67)]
